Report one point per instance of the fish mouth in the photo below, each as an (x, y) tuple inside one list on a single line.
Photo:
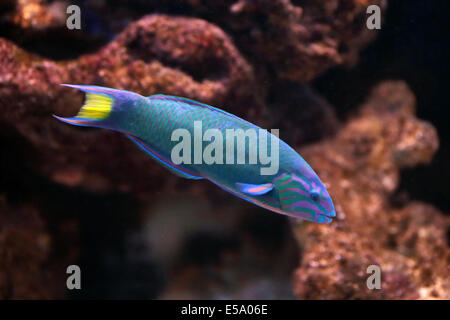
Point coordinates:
[(324, 219), (318, 217)]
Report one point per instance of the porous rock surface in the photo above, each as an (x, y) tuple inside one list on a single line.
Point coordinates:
[(407, 241)]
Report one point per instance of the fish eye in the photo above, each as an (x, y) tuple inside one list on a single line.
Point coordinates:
[(314, 196)]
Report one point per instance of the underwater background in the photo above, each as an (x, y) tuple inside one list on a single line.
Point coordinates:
[(367, 109)]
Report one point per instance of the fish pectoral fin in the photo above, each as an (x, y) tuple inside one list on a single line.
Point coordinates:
[(254, 189), (183, 173)]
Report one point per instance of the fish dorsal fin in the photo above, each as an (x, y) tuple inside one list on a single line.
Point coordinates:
[(192, 103), (181, 172), (254, 189)]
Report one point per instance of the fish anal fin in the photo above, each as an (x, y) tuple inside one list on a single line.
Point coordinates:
[(183, 173)]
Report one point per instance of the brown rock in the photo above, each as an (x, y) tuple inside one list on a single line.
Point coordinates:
[(361, 166), (304, 38), (291, 39), (24, 250)]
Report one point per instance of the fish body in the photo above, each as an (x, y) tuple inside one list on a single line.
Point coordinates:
[(293, 189)]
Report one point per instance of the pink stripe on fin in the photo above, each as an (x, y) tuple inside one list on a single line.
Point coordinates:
[(254, 189)]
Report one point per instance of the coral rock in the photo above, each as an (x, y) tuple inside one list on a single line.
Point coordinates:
[(361, 166), (296, 39)]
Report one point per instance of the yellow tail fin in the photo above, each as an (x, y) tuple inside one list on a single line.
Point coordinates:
[(96, 106)]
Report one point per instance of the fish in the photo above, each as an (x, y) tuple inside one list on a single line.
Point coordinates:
[(291, 188)]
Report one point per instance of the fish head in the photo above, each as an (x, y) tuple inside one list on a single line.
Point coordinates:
[(304, 196)]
